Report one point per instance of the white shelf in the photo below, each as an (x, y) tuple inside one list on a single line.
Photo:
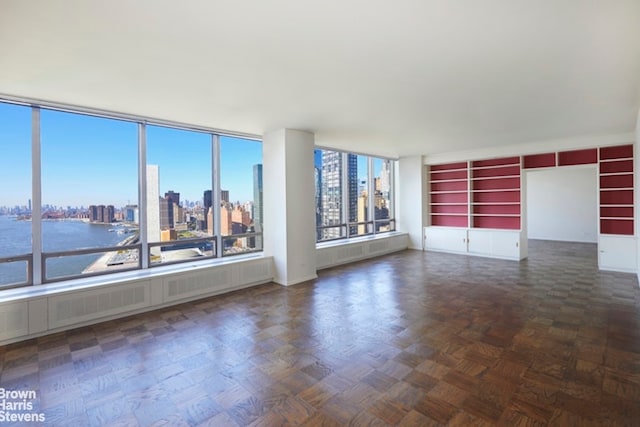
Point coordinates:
[(481, 178), (619, 159), (498, 215), (509, 165), (496, 190), (496, 203), (616, 173), (449, 204), (449, 192)]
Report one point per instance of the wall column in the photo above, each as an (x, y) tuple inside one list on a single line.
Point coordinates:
[(289, 195), (636, 187), (410, 199)]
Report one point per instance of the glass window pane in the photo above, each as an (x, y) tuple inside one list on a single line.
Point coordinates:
[(382, 193), (358, 176), (112, 261), (15, 198), (328, 165), (89, 183), (179, 198), (241, 194)]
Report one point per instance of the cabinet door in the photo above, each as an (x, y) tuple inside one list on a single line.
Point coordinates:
[(618, 253), (445, 239), (495, 243), (480, 242), (506, 245)]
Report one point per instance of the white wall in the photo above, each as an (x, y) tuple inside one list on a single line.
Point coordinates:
[(289, 215), (562, 204), (411, 206)]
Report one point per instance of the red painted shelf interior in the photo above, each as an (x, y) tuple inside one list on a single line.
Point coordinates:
[(578, 157), (449, 194), (496, 193), (450, 221), (616, 190), (545, 160), (617, 152), (616, 211), (505, 223), (616, 226), (495, 189), (616, 166)]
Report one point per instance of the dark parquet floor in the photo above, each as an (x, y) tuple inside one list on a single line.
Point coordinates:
[(412, 339)]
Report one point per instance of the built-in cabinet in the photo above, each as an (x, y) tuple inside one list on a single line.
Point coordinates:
[(475, 207), (505, 244), (617, 253)]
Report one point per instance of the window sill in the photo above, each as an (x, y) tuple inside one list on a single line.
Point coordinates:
[(358, 239), (78, 284)]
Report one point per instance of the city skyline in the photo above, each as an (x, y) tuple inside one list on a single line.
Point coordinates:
[(77, 149)]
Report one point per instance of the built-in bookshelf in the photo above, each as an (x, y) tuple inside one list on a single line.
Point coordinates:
[(545, 160), (487, 193), (495, 193), (449, 194), (616, 190)]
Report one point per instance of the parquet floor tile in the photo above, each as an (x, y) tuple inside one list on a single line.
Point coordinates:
[(410, 339)]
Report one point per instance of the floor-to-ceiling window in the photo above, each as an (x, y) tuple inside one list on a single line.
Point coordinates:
[(180, 222), (354, 195), (241, 212), (15, 197), (88, 176), (93, 193)]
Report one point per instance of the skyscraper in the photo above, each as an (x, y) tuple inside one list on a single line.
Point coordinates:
[(208, 202), (257, 202), (153, 206), (173, 200), (331, 194), (352, 182), (172, 196)]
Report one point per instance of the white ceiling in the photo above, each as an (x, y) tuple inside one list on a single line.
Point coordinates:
[(383, 77)]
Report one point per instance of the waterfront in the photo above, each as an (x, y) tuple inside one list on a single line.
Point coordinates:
[(63, 235)]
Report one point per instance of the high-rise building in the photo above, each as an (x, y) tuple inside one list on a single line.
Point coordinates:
[(352, 183), (363, 208), (225, 220), (317, 168), (100, 213), (153, 206), (109, 214), (93, 213), (332, 205), (207, 199), (173, 196), (224, 196), (166, 213), (131, 214), (257, 203), (385, 178), (318, 201), (173, 216)]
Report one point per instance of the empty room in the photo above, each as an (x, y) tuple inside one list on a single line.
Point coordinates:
[(288, 213)]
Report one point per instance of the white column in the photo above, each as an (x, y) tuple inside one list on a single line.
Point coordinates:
[(288, 196), (636, 185), (410, 205)]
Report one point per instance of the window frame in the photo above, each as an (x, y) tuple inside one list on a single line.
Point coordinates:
[(371, 221), (36, 260)]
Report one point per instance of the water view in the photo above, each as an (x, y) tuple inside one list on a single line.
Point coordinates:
[(63, 235)]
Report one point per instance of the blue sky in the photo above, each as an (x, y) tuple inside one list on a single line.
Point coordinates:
[(89, 160)]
